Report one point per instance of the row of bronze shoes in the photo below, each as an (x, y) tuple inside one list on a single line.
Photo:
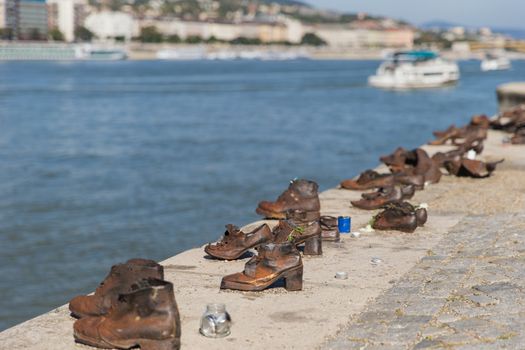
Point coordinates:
[(278, 256), (300, 222), (135, 306), (413, 170)]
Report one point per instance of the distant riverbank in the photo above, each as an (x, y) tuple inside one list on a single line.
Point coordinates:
[(217, 51)]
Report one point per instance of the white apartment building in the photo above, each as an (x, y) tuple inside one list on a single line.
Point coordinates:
[(66, 15), (108, 25), (265, 31), (343, 37)]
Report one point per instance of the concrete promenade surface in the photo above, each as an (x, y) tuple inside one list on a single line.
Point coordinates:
[(457, 283)]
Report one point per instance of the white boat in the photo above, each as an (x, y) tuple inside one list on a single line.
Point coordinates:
[(494, 62), (103, 53), (415, 70), (182, 54)]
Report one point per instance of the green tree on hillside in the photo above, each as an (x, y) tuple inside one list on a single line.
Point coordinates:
[(150, 35), (194, 39), (56, 35), (83, 34), (174, 38), (312, 40)]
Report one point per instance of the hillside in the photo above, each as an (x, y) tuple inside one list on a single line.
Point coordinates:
[(227, 10)]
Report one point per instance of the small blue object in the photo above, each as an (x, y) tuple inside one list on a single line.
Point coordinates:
[(344, 224)]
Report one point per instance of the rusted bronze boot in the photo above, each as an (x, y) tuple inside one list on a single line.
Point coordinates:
[(147, 317), (275, 261), (415, 180), (384, 196), (426, 167), (307, 232), (235, 242), (481, 121), (470, 168), (301, 194), (330, 229), (367, 180), (118, 281), (398, 160), (400, 217), (451, 133), (304, 229)]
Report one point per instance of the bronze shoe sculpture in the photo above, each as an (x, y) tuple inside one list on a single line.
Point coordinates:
[(442, 137), (300, 228), (519, 135), (235, 242), (301, 194), (417, 181), (369, 179), (471, 168), (427, 167), (330, 229), (397, 160), (481, 121), (148, 317), (400, 217), (509, 119), (471, 134), (276, 261), (378, 199), (475, 130), (518, 139), (119, 280)]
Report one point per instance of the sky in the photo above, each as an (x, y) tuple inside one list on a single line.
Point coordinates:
[(492, 13)]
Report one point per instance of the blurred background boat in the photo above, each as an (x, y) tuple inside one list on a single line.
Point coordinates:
[(188, 53), (415, 70), (105, 53), (201, 53), (28, 51), (495, 61)]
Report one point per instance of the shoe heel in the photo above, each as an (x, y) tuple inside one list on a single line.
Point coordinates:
[(313, 246), (169, 344), (293, 280)]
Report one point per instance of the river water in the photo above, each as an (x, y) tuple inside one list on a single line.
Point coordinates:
[(105, 161)]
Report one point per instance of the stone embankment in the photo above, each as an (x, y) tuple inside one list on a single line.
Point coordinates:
[(457, 283)]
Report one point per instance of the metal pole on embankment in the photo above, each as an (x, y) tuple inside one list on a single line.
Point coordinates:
[(511, 95)]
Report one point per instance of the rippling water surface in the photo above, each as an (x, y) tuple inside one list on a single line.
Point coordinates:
[(104, 161)]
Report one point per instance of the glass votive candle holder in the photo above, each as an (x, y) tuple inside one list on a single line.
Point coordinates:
[(215, 322)]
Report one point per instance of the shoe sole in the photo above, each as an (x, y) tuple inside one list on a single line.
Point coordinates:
[(270, 214), (293, 282), (233, 257)]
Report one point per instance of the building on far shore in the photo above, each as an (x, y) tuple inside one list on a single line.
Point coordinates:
[(344, 37), (285, 29), (9, 18), (111, 25), (265, 31), (66, 15), (23, 19), (32, 20)]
